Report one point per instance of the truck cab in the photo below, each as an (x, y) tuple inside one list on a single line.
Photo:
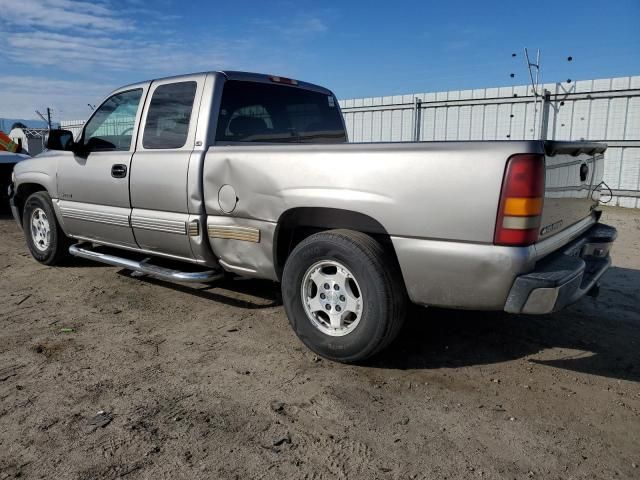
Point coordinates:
[(133, 178)]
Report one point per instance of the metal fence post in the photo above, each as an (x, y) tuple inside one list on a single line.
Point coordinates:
[(417, 112), (544, 115)]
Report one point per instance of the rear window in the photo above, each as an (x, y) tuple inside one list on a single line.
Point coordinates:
[(169, 116), (260, 112)]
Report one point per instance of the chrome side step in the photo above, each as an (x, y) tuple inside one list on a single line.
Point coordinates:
[(143, 266)]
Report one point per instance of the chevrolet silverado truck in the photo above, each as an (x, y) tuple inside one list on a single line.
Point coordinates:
[(195, 177)]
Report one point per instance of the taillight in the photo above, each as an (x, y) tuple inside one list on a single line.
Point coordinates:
[(521, 199)]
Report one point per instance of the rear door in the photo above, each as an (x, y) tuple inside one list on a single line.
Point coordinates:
[(574, 171), (94, 188), (159, 172)]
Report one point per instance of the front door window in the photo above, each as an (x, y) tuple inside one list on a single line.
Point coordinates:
[(111, 127)]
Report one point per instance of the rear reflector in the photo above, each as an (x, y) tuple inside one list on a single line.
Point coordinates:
[(285, 80), (521, 200)]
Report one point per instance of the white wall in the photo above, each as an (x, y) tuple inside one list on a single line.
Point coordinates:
[(600, 110)]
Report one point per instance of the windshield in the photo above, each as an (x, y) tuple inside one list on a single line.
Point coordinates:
[(260, 112)]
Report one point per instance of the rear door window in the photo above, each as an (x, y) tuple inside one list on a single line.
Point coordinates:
[(170, 109), (261, 112)]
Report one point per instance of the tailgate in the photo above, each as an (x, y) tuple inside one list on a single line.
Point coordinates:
[(573, 174)]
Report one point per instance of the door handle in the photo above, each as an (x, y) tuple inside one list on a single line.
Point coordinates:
[(119, 171)]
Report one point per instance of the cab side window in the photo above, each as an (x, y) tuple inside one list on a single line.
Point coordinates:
[(112, 126), (170, 109)]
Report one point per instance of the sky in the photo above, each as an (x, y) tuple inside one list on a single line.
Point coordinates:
[(67, 53)]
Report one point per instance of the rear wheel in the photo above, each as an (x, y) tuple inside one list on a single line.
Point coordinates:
[(45, 239), (343, 295)]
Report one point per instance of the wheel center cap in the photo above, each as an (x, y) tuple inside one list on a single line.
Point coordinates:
[(332, 298)]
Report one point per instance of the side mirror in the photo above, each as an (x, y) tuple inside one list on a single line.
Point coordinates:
[(60, 140)]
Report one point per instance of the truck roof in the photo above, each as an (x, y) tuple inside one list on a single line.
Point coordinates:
[(233, 75)]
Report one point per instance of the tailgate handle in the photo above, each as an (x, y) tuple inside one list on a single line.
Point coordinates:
[(584, 171), (119, 171)]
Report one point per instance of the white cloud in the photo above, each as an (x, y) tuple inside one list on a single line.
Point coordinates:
[(87, 40), (305, 26), (296, 27), (84, 40), (21, 95), (76, 53), (62, 14)]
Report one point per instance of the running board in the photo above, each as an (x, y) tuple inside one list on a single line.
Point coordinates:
[(145, 267)]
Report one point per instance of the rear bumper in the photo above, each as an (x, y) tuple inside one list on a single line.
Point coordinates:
[(460, 275), (565, 276)]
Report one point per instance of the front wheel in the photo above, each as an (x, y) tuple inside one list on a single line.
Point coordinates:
[(343, 295), (45, 239)]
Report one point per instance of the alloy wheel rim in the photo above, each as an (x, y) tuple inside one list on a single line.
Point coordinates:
[(40, 229), (332, 298)]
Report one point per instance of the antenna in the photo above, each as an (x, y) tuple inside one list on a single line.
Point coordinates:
[(531, 66), (535, 85), (41, 116), (91, 107), (541, 113), (47, 119)]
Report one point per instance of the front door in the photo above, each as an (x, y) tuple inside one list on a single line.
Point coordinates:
[(94, 188)]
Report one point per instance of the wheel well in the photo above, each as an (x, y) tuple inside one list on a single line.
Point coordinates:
[(299, 223), (23, 192)]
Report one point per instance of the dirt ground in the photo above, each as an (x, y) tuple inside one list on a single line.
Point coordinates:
[(104, 375)]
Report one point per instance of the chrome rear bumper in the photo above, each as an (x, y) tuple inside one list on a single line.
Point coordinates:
[(563, 277)]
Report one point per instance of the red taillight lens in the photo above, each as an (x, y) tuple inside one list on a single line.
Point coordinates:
[(524, 177), (520, 201)]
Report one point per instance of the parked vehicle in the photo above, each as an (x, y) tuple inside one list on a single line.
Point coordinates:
[(252, 174), (7, 161)]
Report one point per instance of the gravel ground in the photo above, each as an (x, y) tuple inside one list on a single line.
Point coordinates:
[(104, 375)]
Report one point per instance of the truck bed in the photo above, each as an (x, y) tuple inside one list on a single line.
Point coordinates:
[(432, 190), (438, 201)]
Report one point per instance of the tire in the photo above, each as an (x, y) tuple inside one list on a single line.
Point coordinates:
[(51, 248), (372, 281)]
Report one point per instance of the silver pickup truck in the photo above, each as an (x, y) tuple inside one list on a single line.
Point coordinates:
[(194, 177)]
